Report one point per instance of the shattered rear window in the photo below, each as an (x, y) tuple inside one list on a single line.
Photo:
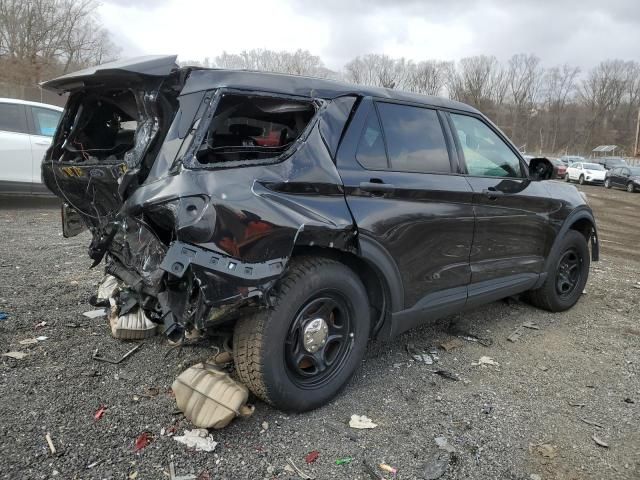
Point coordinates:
[(253, 127)]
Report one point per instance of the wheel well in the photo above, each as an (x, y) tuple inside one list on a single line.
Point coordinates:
[(584, 226), (376, 287)]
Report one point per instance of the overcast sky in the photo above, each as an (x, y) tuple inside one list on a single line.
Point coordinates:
[(579, 32)]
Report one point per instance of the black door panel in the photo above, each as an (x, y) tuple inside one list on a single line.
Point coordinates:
[(423, 220)]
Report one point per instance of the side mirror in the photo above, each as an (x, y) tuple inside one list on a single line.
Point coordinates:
[(540, 169)]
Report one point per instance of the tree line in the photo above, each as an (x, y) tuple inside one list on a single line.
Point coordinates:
[(549, 109)]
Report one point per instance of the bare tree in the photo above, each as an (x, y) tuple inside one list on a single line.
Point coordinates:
[(379, 71), (524, 76), (300, 62), (558, 85), (40, 38), (428, 77)]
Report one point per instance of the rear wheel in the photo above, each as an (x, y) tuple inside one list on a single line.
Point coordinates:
[(607, 183), (566, 275), (581, 180), (631, 187), (299, 354)]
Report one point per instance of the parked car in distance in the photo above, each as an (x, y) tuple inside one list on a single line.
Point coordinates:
[(623, 177), (583, 172), (569, 159), (26, 129), (372, 211), (559, 168), (611, 162)]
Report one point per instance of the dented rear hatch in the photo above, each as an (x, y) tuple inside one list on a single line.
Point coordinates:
[(116, 117)]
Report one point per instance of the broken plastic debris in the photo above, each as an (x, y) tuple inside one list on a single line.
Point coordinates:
[(52, 448), (300, 473), (343, 461), (142, 441), (312, 456), (95, 313), (599, 442), (546, 450), (99, 413), (107, 287), (446, 374), (388, 468), (419, 355), (591, 422), (436, 467), (361, 422), (16, 355), (210, 398), (451, 344), (443, 444), (4, 316), (198, 438), (134, 325), (486, 361), (28, 341)]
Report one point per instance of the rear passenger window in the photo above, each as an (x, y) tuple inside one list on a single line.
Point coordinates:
[(415, 141), (485, 153), (45, 121), (12, 118), (371, 153)]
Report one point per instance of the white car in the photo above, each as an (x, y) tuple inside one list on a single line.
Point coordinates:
[(26, 129), (583, 172)]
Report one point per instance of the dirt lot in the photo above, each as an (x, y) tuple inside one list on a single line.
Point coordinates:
[(513, 421)]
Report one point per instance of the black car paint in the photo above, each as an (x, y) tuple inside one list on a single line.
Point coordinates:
[(621, 177), (434, 243)]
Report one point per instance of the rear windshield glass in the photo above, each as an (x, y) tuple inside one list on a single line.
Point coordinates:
[(253, 127), (592, 166)]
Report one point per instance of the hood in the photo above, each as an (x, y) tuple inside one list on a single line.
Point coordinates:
[(132, 70)]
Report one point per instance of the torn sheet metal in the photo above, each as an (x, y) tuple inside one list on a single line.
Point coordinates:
[(196, 198)]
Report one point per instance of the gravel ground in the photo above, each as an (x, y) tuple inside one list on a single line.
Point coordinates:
[(513, 421)]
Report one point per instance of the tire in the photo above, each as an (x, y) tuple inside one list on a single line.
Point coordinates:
[(549, 296), (266, 344), (631, 187), (581, 180), (567, 179), (607, 183)]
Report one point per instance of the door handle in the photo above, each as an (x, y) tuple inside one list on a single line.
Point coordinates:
[(492, 193), (375, 187), (46, 143)]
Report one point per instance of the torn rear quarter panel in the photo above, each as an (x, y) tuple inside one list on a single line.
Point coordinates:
[(199, 208)]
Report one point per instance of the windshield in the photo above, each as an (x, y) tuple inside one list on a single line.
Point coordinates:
[(616, 161), (592, 166)]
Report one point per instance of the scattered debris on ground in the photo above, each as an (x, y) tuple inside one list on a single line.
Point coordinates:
[(361, 422), (95, 313), (451, 344), (52, 448), (599, 441), (99, 358), (312, 456), (446, 374), (99, 413), (209, 397), (436, 466), (142, 441), (198, 438), (15, 355), (484, 360), (343, 461), (300, 473), (419, 355)]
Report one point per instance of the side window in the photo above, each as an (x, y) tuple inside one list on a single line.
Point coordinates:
[(415, 140), (485, 153), (371, 153), (12, 118), (45, 121)]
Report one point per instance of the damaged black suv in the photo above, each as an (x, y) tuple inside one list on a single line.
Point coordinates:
[(303, 215)]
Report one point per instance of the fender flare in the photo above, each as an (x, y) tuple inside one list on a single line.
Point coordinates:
[(372, 252), (576, 215)]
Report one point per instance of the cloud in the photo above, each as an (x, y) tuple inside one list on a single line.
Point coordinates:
[(580, 32)]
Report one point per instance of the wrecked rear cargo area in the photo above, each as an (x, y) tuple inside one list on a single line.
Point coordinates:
[(195, 201)]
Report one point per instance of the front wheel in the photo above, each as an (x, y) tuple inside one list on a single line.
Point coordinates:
[(299, 354), (607, 183), (631, 187), (566, 275), (567, 179), (581, 180)]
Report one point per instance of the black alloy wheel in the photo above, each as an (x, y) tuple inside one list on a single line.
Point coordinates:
[(568, 273), (319, 340)]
